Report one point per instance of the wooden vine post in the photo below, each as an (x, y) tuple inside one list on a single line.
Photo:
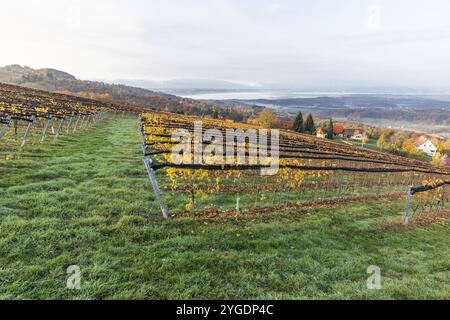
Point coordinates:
[(5, 127), (407, 206), (154, 183), (76, 124), (70, 123), (47, 124), (238, 203), (27, 132), (59, 128), (148, 162)]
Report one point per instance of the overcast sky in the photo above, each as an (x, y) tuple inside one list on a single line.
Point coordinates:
[(319, 43)]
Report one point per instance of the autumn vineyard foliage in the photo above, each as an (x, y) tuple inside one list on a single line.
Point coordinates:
[(311, 170), (74, 190), (19, 102), (27, 116)]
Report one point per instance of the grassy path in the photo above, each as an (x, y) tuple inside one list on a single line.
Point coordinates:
[(86, 202)]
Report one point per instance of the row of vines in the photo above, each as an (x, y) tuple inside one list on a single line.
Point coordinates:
[(311, 172), (29, 117)]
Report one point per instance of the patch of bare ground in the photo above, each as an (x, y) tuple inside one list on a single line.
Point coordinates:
[(423, 220), (296, 208)]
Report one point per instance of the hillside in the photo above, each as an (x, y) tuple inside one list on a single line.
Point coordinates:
[(330, 207), (55, 80), (16, 74), (93, 185), (62, 82)]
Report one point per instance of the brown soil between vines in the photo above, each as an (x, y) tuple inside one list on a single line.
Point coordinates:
[(297, 209), (424, 220)]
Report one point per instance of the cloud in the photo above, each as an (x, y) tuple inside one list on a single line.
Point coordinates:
[(374, 18), (272, 8), (250, 41)]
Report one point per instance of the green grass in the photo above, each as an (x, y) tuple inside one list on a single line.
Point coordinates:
[(86, 201), (372, 144)]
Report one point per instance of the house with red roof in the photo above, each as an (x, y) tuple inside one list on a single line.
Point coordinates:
[(338, 130), (286, 124)]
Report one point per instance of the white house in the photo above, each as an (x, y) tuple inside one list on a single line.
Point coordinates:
[(321, 133), (425, 145), (358, 135), (354, 134)]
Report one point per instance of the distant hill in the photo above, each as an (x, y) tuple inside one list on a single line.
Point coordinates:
[(62, 82), (363, 101), (16, 74), (55, 80), (186, 84), (380, 110)]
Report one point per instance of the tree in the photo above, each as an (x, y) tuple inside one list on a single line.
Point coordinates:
[(399, 143), (409, 147), (298, 123), (392, 140), (329, 129), (215, 114), (442, 146), (364, 140), (309, 125), (268, 119), (446, 146), (438, 159), (383, 140)]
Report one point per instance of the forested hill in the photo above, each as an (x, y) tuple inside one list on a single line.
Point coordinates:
[(59, 81), (55, 80)]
